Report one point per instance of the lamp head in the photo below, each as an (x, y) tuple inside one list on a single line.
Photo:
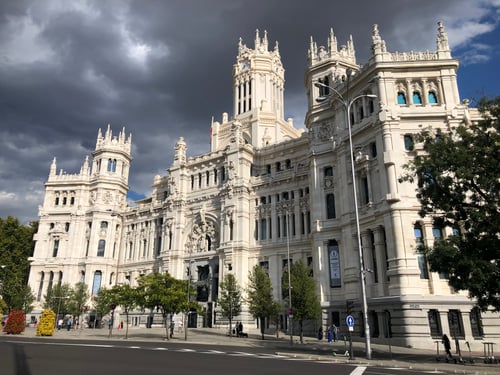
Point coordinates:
[(322, 99), (320, 84)]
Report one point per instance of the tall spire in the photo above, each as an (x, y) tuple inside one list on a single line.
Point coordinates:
[(332, 42), (53, 167)]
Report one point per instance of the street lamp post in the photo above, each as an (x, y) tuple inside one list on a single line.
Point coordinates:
[(347, 103), (188, 298), (59, 307), (290, 311)]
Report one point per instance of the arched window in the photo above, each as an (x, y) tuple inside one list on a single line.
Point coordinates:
[(104, 224), (417, 99), (100, 248), (96, 285), (111, 165), (432, 97), (401, 98), (51, 280), (40, 286)]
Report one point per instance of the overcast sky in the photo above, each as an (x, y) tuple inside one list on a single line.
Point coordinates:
[(162, 69)]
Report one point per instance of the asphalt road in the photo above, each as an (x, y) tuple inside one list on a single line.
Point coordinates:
[(30, 356)]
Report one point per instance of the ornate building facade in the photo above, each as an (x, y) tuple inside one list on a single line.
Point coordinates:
[(267, 189)]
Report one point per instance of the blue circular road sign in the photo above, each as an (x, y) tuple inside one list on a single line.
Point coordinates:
[(349, 321)]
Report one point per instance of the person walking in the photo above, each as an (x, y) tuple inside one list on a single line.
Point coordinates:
[(330, 333), (335, 333), (447, 347), (70, 323), (320, 333)]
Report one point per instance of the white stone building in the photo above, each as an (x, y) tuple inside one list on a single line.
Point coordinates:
[(267, 189)]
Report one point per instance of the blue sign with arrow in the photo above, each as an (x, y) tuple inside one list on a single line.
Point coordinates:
[(349, 321)]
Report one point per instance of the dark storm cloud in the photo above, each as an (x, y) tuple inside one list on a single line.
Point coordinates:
[(162, 69)]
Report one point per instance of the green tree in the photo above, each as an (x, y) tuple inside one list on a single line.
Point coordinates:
[(78, 296), (25, 299), (305, 301), (230, 299), (457, 178), (163, 292), (260, 297), (123, 295), (16, 246), (102, 302), (57, 299)]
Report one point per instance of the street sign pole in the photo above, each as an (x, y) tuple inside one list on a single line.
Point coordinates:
[(350, 325)]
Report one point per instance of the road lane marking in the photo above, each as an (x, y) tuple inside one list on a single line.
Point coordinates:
[(358, 370)]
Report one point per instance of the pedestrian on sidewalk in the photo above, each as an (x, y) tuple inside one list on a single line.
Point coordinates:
[(330, 333), (447, 347), (320, 333), (335, 333), (70, 323), (60, 324), (172, 325)]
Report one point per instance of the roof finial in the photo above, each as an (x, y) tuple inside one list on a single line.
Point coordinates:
[(442, 38)]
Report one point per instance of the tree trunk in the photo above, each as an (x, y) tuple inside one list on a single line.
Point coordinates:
[(165, 321), (301, 323), (126, 325), (262, 321)]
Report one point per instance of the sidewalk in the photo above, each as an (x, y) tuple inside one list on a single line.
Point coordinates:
[(312, 349)]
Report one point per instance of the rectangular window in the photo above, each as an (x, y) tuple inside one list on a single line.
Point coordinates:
[(365, 190), (476, 323), (56, 248), (330, 206), (421, 258), (408, 142), (434, 324), (101, 247), (158, 246), (264, 265), (263, 229), (285, 226), (270, 228), (456, 324)]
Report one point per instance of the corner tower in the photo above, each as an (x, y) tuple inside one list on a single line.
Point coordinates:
[(110, 169), (258, 98)]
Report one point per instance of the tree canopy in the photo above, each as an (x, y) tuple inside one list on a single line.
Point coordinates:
[(260, 297), (458, 184), (16, 246), (230, 298), (305, 301), (163, 292)]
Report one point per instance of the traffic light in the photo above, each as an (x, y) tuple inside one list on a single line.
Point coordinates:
[(349, 306)]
